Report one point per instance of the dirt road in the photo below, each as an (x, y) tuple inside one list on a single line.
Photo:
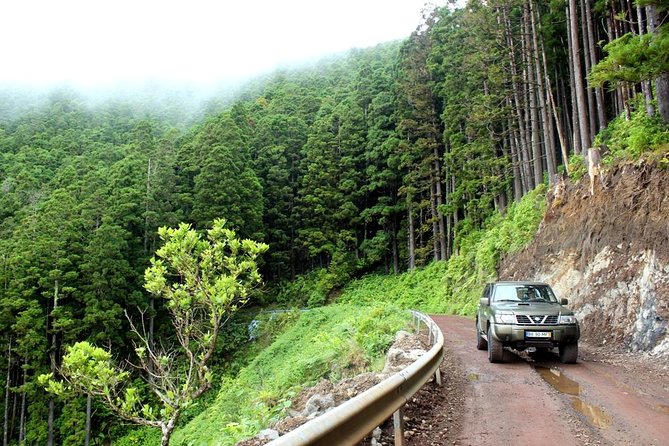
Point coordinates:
[(604, 399)]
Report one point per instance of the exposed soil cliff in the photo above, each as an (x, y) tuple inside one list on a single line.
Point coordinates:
[(608, 253)]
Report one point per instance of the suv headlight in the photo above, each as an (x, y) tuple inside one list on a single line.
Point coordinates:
[(567, 319), (505, 318)]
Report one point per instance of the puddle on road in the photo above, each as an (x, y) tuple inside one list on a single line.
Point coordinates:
[(595, 414), (662, 408), (561, 383)]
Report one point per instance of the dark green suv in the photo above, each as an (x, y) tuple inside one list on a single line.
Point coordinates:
[(525, 316)]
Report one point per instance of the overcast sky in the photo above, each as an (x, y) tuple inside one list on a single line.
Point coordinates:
[(96, 42)]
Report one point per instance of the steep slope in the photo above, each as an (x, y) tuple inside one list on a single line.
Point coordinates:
[(609, 255)]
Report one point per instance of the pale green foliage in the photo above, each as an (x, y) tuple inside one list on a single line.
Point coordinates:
[(91, 370), (91, 367), (202, 281), (217, 272)]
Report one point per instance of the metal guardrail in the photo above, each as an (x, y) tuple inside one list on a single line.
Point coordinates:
[(352, 420)]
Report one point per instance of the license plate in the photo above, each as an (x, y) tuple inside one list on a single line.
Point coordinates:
[(538, 334)]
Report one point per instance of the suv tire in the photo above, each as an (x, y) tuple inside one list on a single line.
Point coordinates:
[(496, 351), (481, 343), (568, 353)]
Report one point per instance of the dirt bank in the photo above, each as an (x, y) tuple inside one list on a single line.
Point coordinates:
[(609, 255)]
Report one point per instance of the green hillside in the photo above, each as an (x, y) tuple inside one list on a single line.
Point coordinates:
[(332, 342)]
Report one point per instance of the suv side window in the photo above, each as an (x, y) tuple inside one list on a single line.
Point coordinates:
[(486, 291)]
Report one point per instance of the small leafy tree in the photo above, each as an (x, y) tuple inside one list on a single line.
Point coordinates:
[(203, 280)]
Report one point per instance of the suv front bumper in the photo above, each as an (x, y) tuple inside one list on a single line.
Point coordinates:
[(516, 335)]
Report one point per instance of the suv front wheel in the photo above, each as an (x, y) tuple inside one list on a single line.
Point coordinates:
[(481, 343), (568, 353), (496, 351)]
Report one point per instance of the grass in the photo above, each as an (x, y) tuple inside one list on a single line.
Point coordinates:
[(330, 342)]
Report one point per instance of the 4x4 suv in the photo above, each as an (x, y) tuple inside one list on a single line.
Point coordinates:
[(524, 315)]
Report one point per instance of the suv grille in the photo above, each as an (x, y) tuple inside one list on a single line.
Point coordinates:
[(536, 319)]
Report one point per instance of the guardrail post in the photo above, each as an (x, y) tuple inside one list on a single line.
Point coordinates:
[(398, 425), (437, 373)]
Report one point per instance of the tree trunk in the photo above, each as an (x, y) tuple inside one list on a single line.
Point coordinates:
[(433, 211), (165, 437), (455, 218), (589, 92), (662, 95), (532, 93), (168, 428), (515, 163), (566, 110), (645, 85), (599, 94), (626, 5), (614, 32), (523, 152), (528, 107), (581, 100), (5, 431), (396, 251), (411, 240), (542, 78), (561, 136), (89, 404), (22, 415), (448, 220), (440, 201), (15, 401), (52, 356), (662, 82)]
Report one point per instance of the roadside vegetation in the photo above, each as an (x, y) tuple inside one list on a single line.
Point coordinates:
[(453, 286), (332, 342)]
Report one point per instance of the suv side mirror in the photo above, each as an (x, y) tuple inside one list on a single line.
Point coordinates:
[(484, 302), (564, 301)]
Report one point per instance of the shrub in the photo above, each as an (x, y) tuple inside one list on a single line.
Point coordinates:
[(632, 138), (577, 168)]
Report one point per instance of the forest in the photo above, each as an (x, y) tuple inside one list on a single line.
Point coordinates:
[(377, 160)]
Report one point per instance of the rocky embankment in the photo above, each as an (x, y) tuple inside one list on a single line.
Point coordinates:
[(608, 253), (314, 401)]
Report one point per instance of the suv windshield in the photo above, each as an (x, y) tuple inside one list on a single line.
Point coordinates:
[(523, 293)]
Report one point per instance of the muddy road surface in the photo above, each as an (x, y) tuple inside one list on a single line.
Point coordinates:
[(603, 399)]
